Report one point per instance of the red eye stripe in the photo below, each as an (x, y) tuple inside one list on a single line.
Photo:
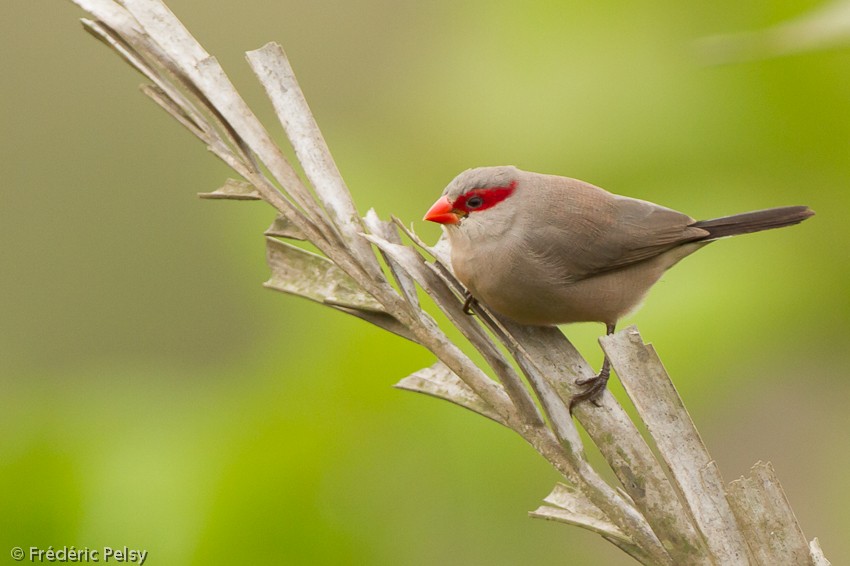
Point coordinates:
[(490, 196)]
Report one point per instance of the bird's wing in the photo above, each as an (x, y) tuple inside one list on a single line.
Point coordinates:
[(644, 230), (597, 231)]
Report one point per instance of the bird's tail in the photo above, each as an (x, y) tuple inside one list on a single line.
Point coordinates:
[(754, 221)]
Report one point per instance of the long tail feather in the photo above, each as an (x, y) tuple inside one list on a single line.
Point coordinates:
[(754, 221)]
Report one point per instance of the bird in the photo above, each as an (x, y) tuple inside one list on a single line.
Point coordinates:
[(546, 250)]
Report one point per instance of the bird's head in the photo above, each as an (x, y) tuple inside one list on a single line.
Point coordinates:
[(476, 194)]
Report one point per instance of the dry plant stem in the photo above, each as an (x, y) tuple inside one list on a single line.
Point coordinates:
[(679, 444), (389, 232), (437, 342), (120, 22), (569, 456), (275, 73), (553, 406), (566, 455), (206, 77), (175, 45), (589, 481), (766, 517), (649, 521), (621, 444), (550, 362), (413, 263), (564, 451), (211, 81), (571, 453)]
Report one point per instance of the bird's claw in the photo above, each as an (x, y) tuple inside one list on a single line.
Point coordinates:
[(593, 387), (469, 303)]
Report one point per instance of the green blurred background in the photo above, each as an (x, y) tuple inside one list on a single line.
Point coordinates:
[(153, 394)]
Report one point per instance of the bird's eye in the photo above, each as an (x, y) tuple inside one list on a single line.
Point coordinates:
[(474, 202)]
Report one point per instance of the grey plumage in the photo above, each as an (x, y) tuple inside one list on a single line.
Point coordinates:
[(560, 250)]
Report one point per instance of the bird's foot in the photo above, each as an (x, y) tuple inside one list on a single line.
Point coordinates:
[(592, 387), (469, 303)]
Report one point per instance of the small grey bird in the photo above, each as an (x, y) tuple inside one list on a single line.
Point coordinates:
[(545, 250)]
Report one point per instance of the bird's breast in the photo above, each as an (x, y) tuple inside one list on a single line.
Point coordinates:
[(511, 280)]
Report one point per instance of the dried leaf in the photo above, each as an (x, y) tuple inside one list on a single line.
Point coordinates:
[(649, 387), (439, 381), (177, 111), (388, 231), (411, 261), (305, 274), (381, 319), (233, 190), (766, 518), (439, 251), (275, 73), (299, 272), (282, 227), (818, 559), (176, 49), (567, 505)]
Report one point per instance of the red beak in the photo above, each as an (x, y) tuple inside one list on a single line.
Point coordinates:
[(442, 212)]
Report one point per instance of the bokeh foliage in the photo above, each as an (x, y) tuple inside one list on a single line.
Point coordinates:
[(154, 395)]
